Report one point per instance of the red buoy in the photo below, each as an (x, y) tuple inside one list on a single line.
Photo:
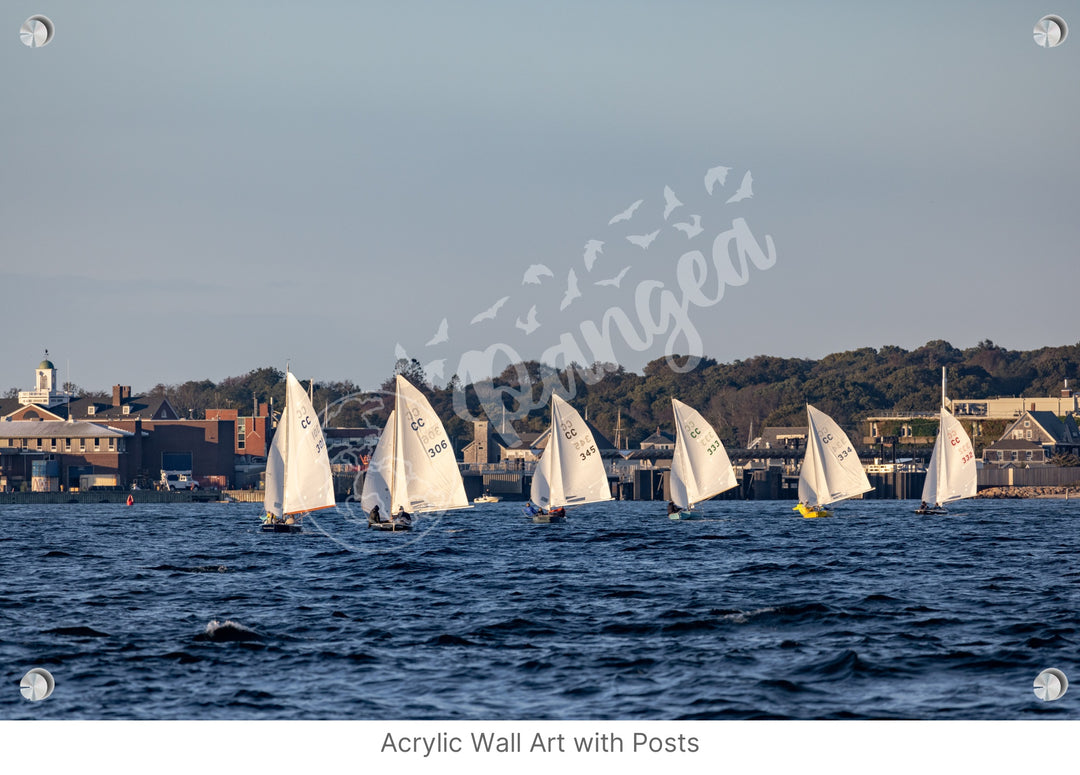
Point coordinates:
[(130, 500)]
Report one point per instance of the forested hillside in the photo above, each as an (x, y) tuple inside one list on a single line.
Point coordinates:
[(763, 390)]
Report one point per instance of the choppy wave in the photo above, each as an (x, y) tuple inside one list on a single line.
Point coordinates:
[(227, 631), (753, 613)]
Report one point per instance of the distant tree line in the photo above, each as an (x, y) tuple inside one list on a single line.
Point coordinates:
[(756, 392)]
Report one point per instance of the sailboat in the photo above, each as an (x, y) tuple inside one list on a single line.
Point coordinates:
[(570, 471), (413, 469), (298, 478), (700, 467), (951, 474), (831, 470)]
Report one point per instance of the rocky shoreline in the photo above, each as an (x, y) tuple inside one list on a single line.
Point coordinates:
[(1030, 492)]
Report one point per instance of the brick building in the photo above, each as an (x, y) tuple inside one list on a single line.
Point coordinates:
[(252, 433), (131, 436)]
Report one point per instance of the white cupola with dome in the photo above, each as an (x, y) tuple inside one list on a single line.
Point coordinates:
[(45, 392)]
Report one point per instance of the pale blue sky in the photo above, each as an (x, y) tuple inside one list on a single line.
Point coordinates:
[(324, 181)]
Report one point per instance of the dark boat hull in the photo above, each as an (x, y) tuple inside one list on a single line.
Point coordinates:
[(277, 527), (390, 527)]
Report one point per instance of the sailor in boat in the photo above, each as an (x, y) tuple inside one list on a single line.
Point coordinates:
[(376, 515), (535, 511), (403, 517), (804, 508), (672, 508)]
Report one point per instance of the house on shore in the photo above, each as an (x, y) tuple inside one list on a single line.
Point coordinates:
[(1035, 438), (981, 418)]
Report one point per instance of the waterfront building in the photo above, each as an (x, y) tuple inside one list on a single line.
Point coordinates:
[(131, 438), (253, 433), (777, 446), (75, 448), (980, 417), (46, 390), (1035, 438)]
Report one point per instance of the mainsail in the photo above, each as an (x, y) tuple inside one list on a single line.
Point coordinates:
[(570, 471), (700, 467), (831, 470), (951, 474), (380, 473), (413, 466), (298, 477)]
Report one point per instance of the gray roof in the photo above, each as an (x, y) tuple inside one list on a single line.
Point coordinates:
[(1062, 432), (526, 440), (781, 438), (657, 438), (1009, 444), (139, 408), (653, 454), (33, 429)]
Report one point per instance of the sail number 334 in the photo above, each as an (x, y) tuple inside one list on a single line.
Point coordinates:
[(842, 454)]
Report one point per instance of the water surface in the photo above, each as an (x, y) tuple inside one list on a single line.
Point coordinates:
[(618, 614)]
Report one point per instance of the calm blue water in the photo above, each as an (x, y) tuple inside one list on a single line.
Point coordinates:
[(618, 614)]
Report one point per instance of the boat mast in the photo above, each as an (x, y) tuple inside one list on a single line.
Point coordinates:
[(552, 440), (394, 439), (285, 453), (942, 387)]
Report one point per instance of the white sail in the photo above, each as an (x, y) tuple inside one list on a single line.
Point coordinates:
[(700, 467), (433, 479), (380, 473), (831, 470), (413, 466), (298, 477), (951, 474), (274, 479), (570, 471)]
